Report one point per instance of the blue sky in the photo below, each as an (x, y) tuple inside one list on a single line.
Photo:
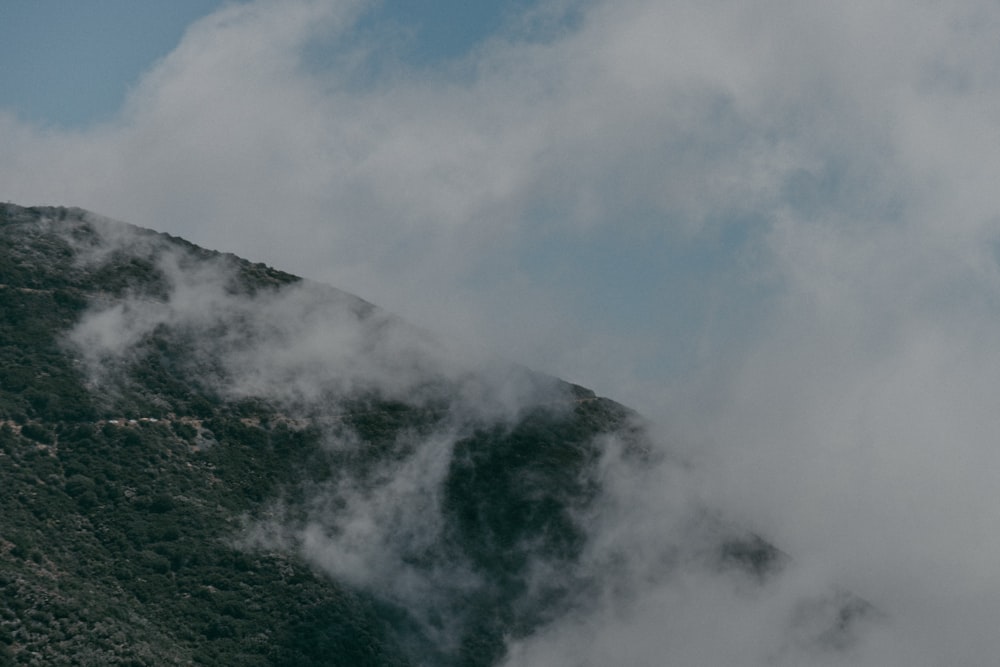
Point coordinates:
[(72, 63), (769, 226)]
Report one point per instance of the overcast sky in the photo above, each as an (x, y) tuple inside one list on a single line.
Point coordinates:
[(772, 226)]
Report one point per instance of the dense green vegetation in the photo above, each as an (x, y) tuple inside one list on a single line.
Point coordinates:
[(117, 548), (124, 506), (122, 509)]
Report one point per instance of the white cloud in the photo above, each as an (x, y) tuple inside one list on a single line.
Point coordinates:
[(852, 146)]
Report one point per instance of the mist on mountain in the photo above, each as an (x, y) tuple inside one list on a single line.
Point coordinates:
[(487, 513)]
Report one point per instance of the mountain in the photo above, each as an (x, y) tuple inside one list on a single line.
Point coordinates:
[(209, 461)]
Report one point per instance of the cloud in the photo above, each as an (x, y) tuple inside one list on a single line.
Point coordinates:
[(297, 344), (661, 587), (411, 185), (373, 517), (838, 159), (426, 190)]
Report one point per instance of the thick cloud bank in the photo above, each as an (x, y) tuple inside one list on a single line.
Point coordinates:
[(802, 198)]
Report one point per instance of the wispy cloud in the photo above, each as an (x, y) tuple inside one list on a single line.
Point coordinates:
[(838, 159)]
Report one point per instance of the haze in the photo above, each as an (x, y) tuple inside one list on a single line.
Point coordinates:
[(771, 227)]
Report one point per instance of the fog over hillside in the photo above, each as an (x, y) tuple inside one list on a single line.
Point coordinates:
[(493, 513), (772, 229), (652, 540)]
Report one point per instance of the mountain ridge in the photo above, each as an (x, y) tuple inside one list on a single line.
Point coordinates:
[(210, 461), (61, 266)]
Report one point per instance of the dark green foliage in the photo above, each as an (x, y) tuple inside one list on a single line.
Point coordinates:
[(121, 508), (140, 544), (116, 539), (37, 433)]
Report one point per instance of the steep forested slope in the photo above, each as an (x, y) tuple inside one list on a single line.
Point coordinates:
[(209, 461)]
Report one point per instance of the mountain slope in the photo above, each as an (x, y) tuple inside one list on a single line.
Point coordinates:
[(209, 461)]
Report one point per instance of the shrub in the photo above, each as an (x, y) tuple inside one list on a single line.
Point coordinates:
[(77, 485), (37, 433), (161, 503)]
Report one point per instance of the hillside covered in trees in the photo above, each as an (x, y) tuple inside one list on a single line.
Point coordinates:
[(209, 461)]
